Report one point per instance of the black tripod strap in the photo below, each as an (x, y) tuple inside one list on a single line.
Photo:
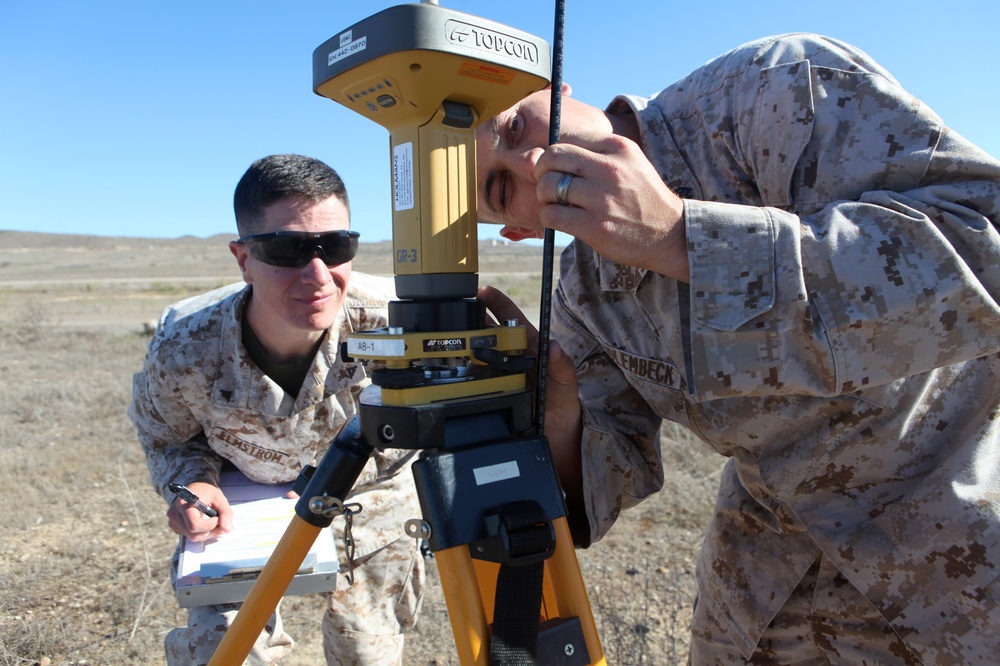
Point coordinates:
[(518, 602)]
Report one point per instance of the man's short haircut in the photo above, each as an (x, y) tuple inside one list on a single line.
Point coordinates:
[(278, 177)]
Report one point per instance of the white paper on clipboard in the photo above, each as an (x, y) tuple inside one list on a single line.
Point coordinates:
[(224, 569)]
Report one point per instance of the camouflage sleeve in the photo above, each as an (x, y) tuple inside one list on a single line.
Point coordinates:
[(620, 446), (176, 449), (875, 254)]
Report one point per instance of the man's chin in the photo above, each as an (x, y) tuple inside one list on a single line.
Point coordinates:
[(314, 320), (319, 322)]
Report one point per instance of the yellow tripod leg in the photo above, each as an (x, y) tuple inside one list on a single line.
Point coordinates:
[(469, 588), (465, 606), (571, 594), (266, 592)]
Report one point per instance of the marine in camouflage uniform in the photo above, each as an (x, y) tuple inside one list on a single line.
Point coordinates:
[(838, 341), (200, 401), (252, 378)]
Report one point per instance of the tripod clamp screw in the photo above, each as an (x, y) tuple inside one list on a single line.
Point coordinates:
[(331, 507), (417, 528)]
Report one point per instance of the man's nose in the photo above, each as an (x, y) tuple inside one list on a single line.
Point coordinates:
[(525, 163), (316, 271)]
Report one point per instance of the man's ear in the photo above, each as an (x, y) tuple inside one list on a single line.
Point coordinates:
[(240, 252), (519, 233), (566, 90)]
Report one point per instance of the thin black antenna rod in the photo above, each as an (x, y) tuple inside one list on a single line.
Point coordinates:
[(548, 242)]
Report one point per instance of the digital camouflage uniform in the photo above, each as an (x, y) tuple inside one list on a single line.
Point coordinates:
[(200, 401), (838, 342)]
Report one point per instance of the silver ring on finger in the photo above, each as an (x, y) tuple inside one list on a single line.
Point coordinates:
[(562, 189)]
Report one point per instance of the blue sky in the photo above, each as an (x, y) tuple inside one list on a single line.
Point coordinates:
[(137, 118)]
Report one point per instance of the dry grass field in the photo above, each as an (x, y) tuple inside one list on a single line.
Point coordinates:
[(85, 546)]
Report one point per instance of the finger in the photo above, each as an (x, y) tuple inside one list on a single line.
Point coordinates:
[(199, 537), (177, 519), (548, 186), (225, 518), (198, 522), (500, 304), (585, 142), (579, 157), (215, 498), (188, 526), (217, 532), (177, 525), (495, 299), (574, 219), (505, 309)]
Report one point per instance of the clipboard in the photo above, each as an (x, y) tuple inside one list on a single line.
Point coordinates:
[(224, 569)]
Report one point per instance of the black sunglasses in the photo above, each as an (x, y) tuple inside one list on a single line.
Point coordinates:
[(295, 249)]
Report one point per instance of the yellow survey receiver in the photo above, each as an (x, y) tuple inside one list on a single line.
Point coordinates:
[(431, 75)]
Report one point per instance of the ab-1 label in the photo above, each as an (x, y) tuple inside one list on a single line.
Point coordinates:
[(382, 347)]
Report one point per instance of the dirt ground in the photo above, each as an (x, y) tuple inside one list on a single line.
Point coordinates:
[(84, 556)]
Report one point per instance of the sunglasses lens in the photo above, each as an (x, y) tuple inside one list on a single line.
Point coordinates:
[(338, 248), (281, 251), (295, 251)]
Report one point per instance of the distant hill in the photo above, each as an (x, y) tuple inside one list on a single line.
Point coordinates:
[(26, 255)]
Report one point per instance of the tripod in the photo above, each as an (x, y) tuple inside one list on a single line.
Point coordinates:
[(451, 385)]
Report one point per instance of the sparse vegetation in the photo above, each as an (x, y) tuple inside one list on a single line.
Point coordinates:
[(84, 558)]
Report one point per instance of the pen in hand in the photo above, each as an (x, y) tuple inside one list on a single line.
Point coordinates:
[(185, 494)]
